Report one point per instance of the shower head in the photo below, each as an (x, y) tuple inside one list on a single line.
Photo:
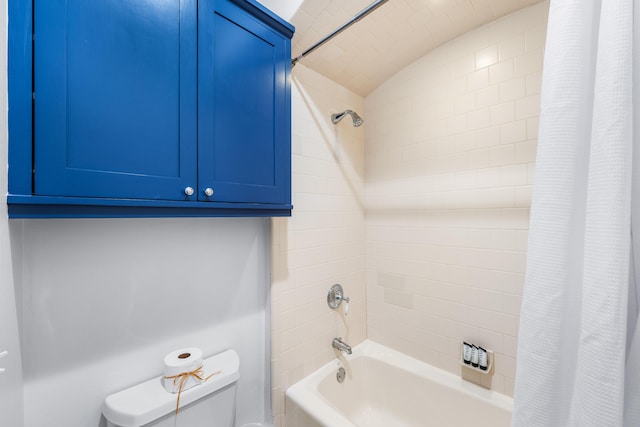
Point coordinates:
[(357, 120)]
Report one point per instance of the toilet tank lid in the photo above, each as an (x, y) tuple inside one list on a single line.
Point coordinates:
[(146, 402)]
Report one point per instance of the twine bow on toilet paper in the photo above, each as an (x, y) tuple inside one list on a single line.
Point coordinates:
[(181, 378)]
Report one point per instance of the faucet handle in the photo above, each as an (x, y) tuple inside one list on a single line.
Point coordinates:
[(335, 298), (340, 297)]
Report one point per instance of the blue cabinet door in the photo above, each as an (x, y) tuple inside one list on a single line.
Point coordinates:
[(244, 130), (115, 85)]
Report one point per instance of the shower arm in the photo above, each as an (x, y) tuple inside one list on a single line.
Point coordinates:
[(364, 12), (357, 120)]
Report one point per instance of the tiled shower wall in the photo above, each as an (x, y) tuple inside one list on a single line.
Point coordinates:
[(323, 241), (450, 152)]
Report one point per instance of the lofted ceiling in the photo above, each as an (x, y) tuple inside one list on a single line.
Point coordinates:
[(390, 38)]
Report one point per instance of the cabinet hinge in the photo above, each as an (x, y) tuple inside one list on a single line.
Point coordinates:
[(33, 96)]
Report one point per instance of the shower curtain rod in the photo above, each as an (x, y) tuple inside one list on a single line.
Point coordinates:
[(364, 12)]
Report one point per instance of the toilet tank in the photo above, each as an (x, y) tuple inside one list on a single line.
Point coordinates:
[(210, 404)]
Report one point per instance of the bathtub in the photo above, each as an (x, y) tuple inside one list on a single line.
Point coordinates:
[(385, 388)]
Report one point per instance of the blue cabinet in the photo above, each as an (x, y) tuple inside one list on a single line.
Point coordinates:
[(172, 108), (240, 101), (115, 99)]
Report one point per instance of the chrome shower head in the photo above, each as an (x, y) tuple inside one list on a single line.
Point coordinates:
[(357, 120)]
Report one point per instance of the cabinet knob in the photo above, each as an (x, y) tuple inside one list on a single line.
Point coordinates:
[(208, 191), (189, 191)]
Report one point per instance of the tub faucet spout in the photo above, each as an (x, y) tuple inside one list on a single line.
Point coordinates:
[(338, 344)]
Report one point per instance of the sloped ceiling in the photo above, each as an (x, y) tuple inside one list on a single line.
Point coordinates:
[(396, 34)]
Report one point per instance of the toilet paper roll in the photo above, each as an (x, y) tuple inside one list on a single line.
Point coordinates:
[(180, 362)]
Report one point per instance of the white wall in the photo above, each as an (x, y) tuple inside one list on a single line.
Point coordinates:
[(450, 152), (105, 299), (11, 379), (323, 242)]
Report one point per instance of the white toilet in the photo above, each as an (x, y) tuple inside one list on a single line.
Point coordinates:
[(210, 404)]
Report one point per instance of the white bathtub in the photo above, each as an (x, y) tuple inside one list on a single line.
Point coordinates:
[(385, 388)]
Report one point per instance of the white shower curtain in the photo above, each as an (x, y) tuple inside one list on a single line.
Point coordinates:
[(578, 361)]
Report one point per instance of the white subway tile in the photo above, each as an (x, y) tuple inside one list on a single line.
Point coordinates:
[(441, 74), (438, 129), (465, 141), (514, 131), (467, 180), (457, 124), (511, 304), (501, 72), (390, 280), (510, 346), (530, 62), (513, 175), (479, 258), (528, 107), (512, 89), (502, 113), (525, 152), (487, 97), (522, 237), (532, 127), (488, 137), (486, 300), (492, 197), (533, 83), (502, 155), (463, 66), (479, 119), (535, 38), (513, 46), (478, 80), (509, 385), (505, 365), (531, 172), (523, 196), (514, 261), (445, 146), (480, 159), (520, 284), (464, 103), (486, 57), (490, 340), (517, 219), (503, 239), (489, 279), (489, 177), (493, 382)]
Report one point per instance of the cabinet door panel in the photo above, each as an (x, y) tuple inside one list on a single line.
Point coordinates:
[(115, 98), (243, 145)]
